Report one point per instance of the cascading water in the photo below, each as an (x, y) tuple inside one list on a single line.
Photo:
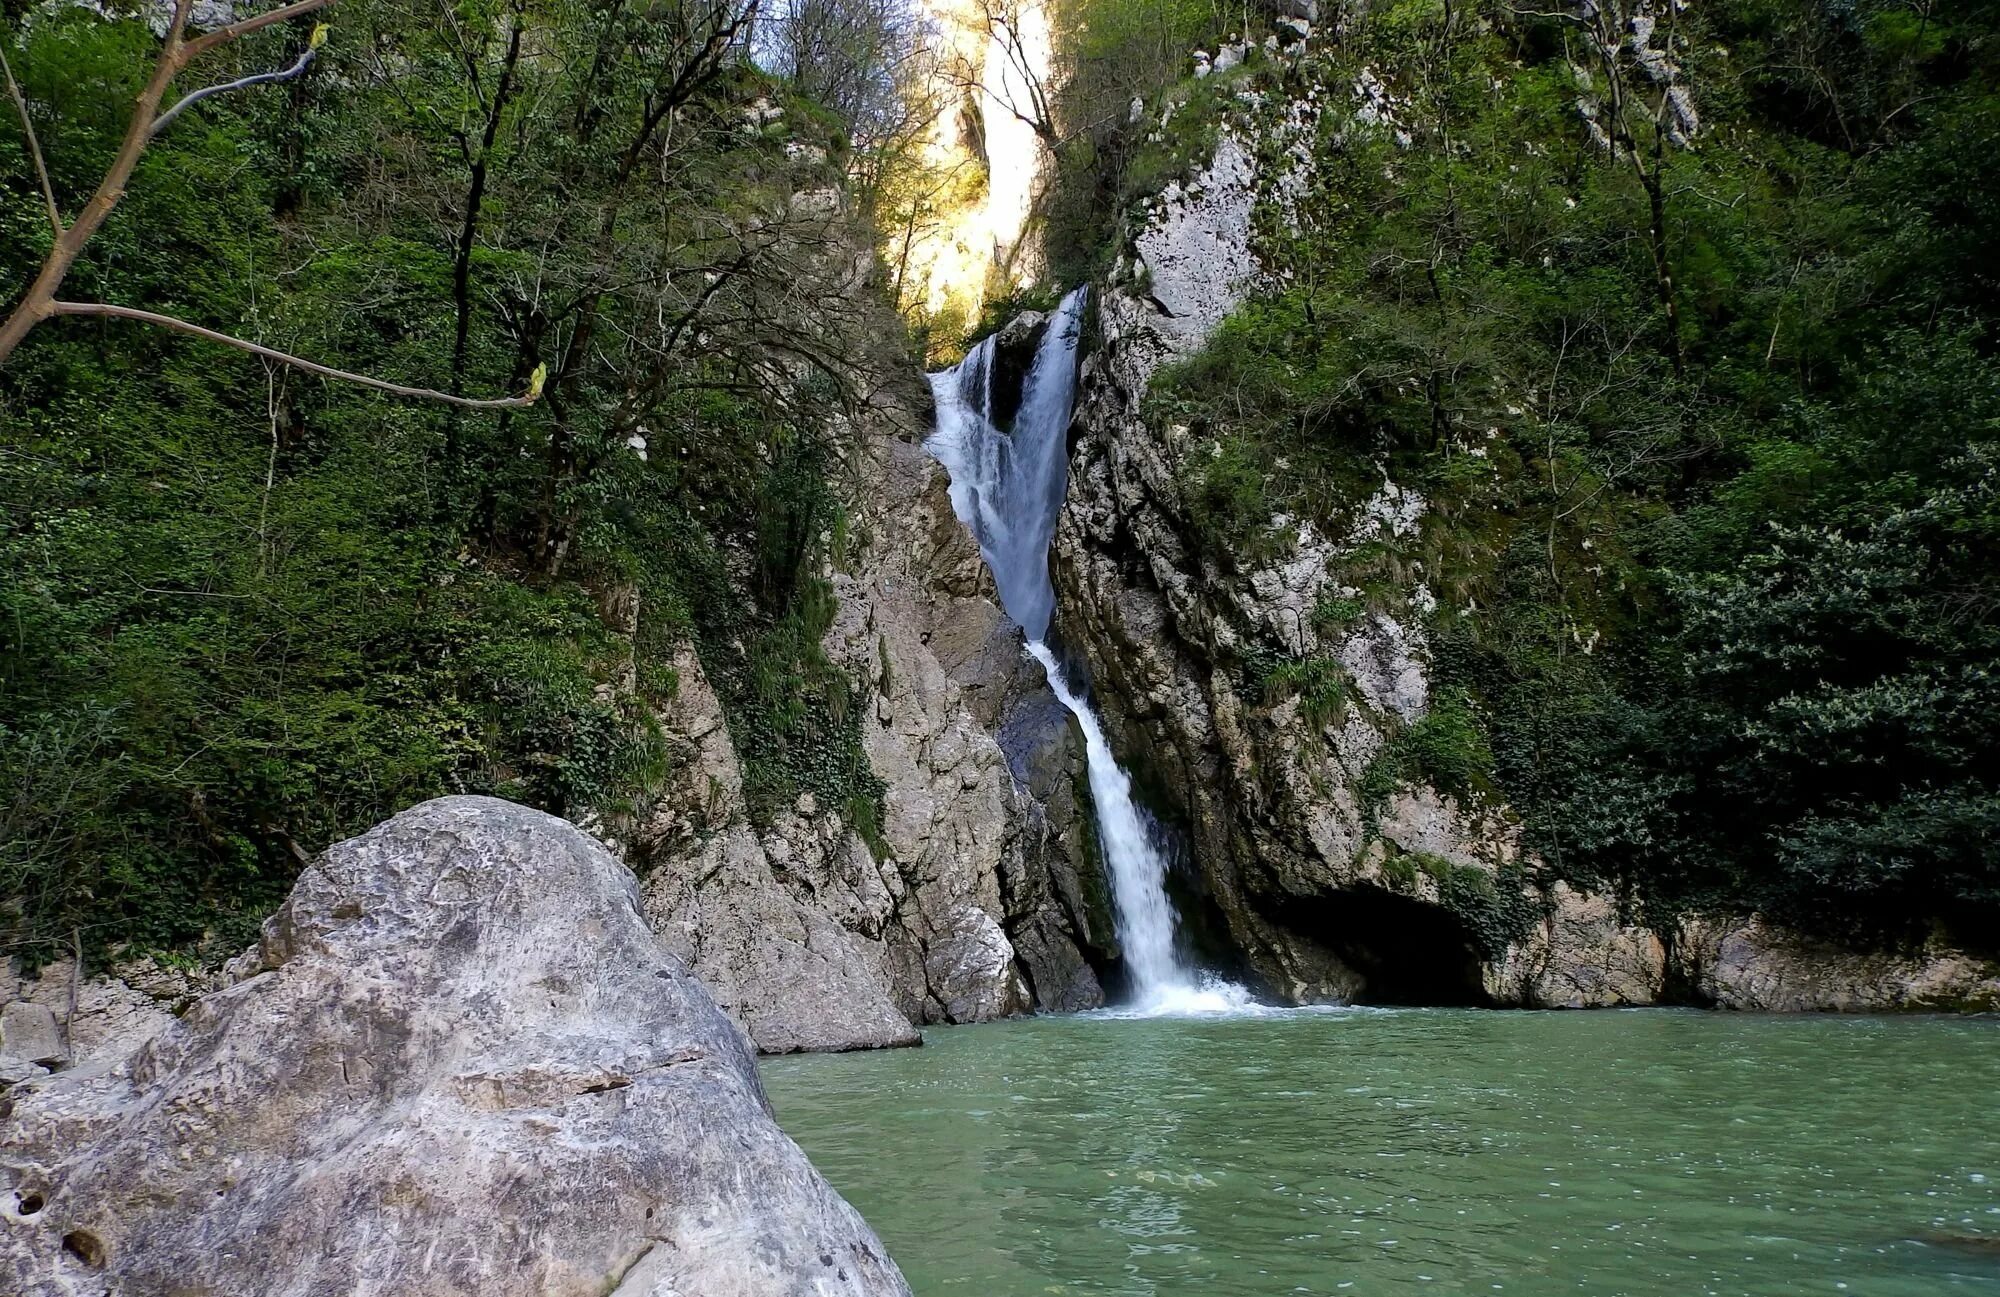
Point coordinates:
[(1007, 487)]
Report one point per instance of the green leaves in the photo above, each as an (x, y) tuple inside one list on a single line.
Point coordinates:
[(253, 612), (1725, 639)]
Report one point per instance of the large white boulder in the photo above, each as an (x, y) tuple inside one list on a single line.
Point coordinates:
[(465, 1066)]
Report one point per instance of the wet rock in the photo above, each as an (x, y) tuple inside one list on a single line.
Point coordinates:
[(466, 1067), (985, 854), (1753, 964), (1583, 956), (964, 903)]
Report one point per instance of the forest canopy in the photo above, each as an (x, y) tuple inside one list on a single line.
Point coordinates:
[(248, 610)]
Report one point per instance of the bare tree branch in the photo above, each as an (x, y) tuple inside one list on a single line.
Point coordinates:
[(312, 367), (34, 145), (176, 52), (291, 73), (194, 49)]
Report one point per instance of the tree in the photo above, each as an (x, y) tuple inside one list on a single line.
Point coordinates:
[(250, 614), (177, 54), (1644, 107)]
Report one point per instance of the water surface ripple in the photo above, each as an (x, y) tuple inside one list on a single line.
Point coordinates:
[(1668, 1153)]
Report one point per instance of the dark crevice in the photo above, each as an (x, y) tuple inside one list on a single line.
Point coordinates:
[(85, 1247), (1406, 951), (1202, 933)]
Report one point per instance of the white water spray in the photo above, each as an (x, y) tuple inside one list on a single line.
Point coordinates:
[(1007, 487)]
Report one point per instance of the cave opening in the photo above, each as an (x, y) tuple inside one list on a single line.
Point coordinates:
[(1407, 952)]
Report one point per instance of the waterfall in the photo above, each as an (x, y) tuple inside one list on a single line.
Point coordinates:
[(1007, 488)]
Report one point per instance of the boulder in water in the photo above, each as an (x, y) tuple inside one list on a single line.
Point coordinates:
[(462, 1065)]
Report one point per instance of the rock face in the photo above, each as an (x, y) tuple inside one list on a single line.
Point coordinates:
[(984, 768), (1330, 888), (785, 928), (106, 1015), (975, 901), (1329, 892), (1581, 955), (462, 1065), (1752, 964), (29, 1034)]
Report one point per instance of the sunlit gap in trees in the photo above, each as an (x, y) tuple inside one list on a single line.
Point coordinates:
[(948, 104)]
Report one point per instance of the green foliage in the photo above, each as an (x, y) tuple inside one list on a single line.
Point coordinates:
[(1498, 908), (1275, 393), (795, 718), (1227, 502), (1336, 612), (247, 613), (998, 308), (1320, 684), (1400, 868), (1445, 748), (1718, 600)]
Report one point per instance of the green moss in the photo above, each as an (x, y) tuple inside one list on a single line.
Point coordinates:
[(1227, 502), (1196, 112), (1446, 749), (1322, 686), (1400, 868), (1334, 612), (1497, 910)]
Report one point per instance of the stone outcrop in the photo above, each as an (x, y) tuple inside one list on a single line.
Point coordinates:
[(1752, 964), (1582, 954), (786, 928), (1329, 891), (93, 1016), (982, 764), (459, 1063), (974, 899)]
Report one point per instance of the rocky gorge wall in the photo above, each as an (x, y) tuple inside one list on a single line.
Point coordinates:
[(1331, 886), (978, 896), (976, 901)]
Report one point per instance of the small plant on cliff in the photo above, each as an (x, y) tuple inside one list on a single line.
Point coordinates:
[(1446, 748), (1497, 908), (1321, 685)]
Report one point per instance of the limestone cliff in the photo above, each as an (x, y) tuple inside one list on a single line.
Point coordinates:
[(1260, 694), (974, 901), (1303, 873)]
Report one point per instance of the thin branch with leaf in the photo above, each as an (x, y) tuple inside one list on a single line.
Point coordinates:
[(40, 303)]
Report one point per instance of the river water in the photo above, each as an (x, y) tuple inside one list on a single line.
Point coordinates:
[(1654, 1153)]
